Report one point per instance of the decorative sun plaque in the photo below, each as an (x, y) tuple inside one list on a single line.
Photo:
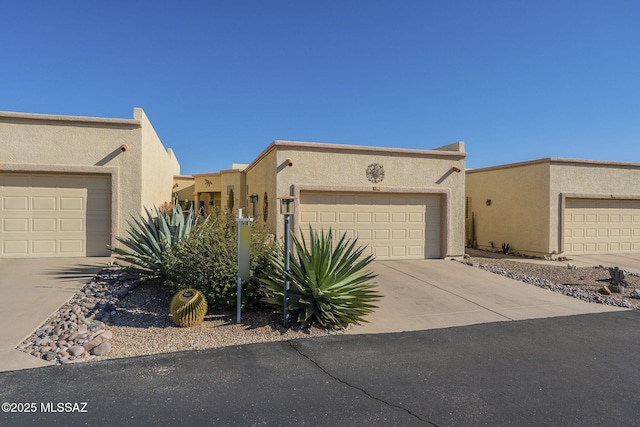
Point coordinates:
[(375, 173)]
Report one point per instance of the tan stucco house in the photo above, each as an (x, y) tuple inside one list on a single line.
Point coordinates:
[(69, 184), (555, 206), (401, 203)]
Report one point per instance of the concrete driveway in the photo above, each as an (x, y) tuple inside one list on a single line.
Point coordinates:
[(30, 291), (418, 295), (430, 294)]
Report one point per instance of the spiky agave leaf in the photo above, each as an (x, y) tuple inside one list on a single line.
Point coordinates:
[(328, 284), (150, 238)]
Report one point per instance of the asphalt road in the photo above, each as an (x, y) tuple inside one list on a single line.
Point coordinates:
[(567, 371)]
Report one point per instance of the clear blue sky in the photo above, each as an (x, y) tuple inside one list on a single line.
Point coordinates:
[(219, 80)]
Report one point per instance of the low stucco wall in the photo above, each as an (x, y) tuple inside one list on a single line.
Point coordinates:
[(518, 211)]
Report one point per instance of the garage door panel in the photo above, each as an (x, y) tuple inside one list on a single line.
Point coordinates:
[(15, 203), (393, 226), (609, 226), (54, 215), (43, 247), (15, 225), (43, 225), (43, 203), (72, 204), (15, 247)]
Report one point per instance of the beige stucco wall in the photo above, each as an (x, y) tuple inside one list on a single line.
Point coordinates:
[(33, 143), (184, 187), (593, 179), (158, 165), (261, 180), (519, 211), (236, 179), (337, 167), (527, 199)]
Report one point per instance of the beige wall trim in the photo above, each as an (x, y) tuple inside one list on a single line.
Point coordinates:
[(557, 161), (77, 170), (370, 149), (6, 116), (597, 196), (445, 206), (444, 153)]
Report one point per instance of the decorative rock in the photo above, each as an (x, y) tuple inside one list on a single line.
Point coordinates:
[(619, 289), (43, 341), (102, 349), (78, 327), (76, 350), (49, 357), (635, 293), (92, 344), (604, 290), (106, 335)]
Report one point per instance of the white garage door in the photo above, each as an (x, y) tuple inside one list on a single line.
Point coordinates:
[(44, 215), (393, 226), (601, 226)]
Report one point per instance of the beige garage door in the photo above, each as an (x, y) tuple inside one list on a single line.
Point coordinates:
[(393, 226), (601, 226), (44, 215)]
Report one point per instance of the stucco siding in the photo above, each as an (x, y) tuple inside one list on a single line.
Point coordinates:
[(71, 145), (158, 166), (404, 170), (587, 179), (261, 180), (518, 211)]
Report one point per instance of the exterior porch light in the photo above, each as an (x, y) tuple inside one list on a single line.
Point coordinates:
[(253, 199), (287, 208)]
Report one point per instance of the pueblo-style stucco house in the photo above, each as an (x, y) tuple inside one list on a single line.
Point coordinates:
[(403, 204), (555, 206), (68, 184)]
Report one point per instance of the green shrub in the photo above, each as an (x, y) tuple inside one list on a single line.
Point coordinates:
[(208, 261), (328, 286), (151, 238)]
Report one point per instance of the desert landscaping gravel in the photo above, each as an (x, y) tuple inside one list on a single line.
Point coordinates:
[(116, 315)]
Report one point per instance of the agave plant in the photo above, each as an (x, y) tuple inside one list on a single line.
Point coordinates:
[(152, 237), (328, 285)]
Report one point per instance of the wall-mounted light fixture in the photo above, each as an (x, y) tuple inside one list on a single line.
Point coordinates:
[(253, 199), (488, 202)]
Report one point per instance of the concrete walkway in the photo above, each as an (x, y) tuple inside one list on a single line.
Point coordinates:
[(30, 291), (429, 294)]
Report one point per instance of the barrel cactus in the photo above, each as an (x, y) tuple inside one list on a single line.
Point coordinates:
[(188, 307)]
